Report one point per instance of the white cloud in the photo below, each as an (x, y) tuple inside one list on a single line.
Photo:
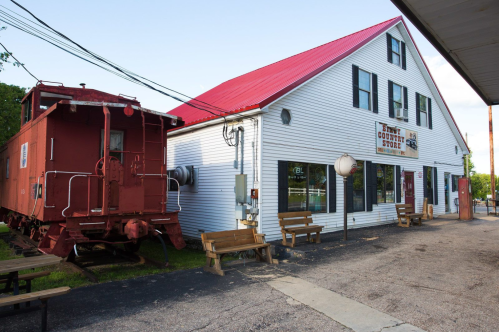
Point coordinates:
[(468, 109)]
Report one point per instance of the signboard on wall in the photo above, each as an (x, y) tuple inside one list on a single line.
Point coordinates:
[(24, 155), (396, 141)]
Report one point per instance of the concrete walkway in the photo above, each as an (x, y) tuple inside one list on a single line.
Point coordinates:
[(350, 313)]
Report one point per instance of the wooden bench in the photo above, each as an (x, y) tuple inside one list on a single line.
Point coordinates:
[(24, 277), (406, 215), (218, 244), (287, 219), (43, 296)]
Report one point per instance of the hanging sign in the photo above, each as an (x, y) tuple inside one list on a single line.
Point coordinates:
[(396, 141), (24, 155)]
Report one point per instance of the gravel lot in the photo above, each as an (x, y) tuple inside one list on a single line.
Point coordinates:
[(442, 276)]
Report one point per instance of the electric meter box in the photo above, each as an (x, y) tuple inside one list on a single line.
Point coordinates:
[(241, 212), (241, 188)]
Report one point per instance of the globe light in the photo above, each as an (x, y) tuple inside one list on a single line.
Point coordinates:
[(345, 165)]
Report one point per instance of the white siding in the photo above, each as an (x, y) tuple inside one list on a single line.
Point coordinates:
[(212, 207), (325, 125)]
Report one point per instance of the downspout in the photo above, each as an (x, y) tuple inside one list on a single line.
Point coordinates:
[(241, 129)]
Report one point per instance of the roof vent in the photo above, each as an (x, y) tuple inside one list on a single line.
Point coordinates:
[(82, 85)]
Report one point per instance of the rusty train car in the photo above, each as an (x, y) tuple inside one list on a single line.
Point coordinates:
[(87, 167)]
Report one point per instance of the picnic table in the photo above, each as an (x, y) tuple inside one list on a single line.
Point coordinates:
[(9, 269)]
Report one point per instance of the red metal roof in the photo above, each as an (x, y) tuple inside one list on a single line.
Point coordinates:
[(260, 87)]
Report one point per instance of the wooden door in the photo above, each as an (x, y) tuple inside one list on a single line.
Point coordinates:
[(409, 188)]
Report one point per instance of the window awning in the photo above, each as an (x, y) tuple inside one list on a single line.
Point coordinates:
[(466, 33)]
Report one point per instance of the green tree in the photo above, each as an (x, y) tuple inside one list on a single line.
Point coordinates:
[(471, 165), (10, 110)]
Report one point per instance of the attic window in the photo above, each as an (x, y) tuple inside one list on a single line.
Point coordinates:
[(456, 149), (285, 116)]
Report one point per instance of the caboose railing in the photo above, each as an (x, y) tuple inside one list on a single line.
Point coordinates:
[(46, 184)]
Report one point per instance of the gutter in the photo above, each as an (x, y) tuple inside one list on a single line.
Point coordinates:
[(209, 123)]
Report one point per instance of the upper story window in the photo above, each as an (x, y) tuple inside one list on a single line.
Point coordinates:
[(27, 109), (365, 89), (396, 51), (423, 111), (397, 101)]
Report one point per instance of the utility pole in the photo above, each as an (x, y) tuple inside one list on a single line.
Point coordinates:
[(467, 159), (492, 176)]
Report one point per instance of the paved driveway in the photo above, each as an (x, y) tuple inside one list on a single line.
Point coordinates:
[(442, 276)]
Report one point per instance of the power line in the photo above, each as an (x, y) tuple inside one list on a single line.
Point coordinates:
[(19, 62), (119, 71)]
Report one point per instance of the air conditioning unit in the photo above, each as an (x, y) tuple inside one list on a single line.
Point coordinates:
[(402, 113)]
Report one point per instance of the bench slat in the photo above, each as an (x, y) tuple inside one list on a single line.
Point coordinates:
[(44, 294), (216, 235), (299, 214), (303, 230), (29, 276), (242, 248), (297, 221)]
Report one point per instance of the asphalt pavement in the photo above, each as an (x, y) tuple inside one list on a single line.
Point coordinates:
[(442, 276)]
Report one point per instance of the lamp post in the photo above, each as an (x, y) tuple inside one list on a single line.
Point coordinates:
[(345, 166)]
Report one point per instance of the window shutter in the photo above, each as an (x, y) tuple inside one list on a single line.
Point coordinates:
[(435, 186), (425, 189), (398, 189), (418, 110), (391, 111), (389, 47), (282, 179), (403, 55), (406, 102), (369, 182), (355, 84), (332, 189), (375, 93), (374, 183), (453, 183), (430, 122), (350, 194)]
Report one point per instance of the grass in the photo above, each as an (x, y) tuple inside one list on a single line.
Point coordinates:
[(63, 275), (4, 228)]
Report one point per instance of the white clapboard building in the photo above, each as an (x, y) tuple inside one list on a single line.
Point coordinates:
[(368, 94)]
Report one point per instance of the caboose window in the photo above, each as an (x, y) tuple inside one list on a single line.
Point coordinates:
[(116, 144), (48, 99), (27, 109)]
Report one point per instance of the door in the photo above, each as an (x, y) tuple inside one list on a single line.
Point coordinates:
[(409, 188), (447, 197)]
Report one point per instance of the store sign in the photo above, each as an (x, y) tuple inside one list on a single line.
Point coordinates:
[(396, 141), (24, 155)]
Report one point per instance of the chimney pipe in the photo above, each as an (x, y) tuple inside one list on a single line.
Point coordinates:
[(82, 85)]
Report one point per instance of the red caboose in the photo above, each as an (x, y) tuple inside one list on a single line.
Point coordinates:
[(87, 166)]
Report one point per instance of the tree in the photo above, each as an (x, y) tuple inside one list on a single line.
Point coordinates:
[(10, 110), (4, 56), (471, 165)]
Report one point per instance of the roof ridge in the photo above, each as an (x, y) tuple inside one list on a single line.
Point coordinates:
[(313, 48)]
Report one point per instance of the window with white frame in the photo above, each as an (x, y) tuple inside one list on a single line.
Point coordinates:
[(423, 110), (396, 51), (364, 89), (115, 144), (398, 100)]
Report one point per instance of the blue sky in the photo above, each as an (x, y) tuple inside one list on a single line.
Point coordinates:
[(192, 46)]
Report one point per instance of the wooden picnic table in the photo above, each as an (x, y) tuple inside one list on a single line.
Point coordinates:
[(9, 269)]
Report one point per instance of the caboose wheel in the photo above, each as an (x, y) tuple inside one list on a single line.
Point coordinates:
[(132, 247)]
